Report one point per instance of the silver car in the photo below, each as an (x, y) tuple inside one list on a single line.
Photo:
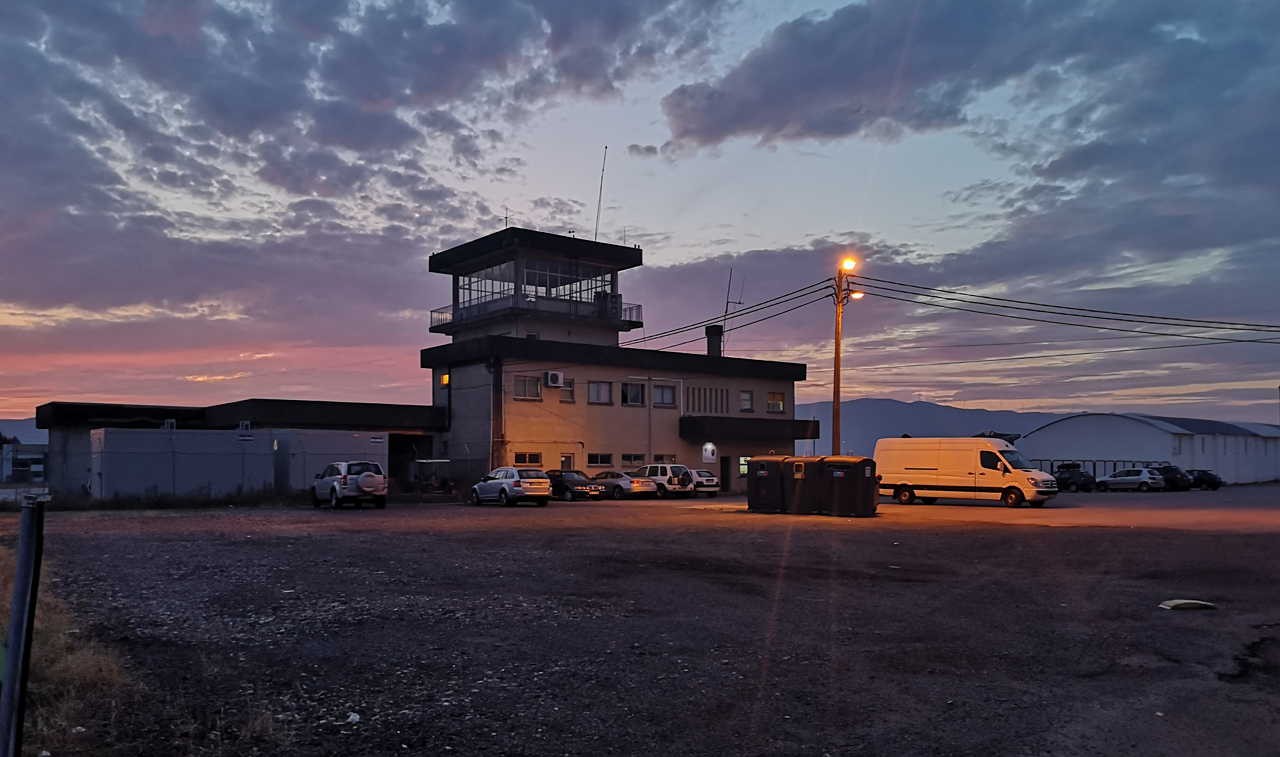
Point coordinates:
[(507, 486), (1141, 479), (618, 484)]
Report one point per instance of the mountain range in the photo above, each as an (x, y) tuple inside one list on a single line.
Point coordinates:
[(25, 429), (863, 421)]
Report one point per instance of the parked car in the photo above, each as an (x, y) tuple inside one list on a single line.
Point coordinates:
[(573, 484), (1142, 479), (705, 482), (507, 486), (1205, 479), (618, 484), (1175, 478), (353, 481), (671, 479), (1072, 477)]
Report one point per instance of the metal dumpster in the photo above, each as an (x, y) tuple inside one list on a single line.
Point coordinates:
[(768, 483), (850, 485), (805, 491)]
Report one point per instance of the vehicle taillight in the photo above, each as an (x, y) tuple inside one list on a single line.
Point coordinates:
[(517, 484)]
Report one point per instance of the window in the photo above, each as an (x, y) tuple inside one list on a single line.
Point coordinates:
[(528, 388), (599, 458), (776, 402), (566, 391), (746, 401), (743, 462), (664, 458), (444, 379), (600, 392), (528, 458), (633, 395), (631, 458), (664, 395), (989, 460), (355, 469)]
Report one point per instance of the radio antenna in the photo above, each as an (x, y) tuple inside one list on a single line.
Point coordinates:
[(600, 195)]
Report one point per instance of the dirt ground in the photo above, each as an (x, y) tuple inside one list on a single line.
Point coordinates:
[(688, 627)]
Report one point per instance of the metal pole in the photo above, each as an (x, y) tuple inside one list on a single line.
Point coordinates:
[(22, 618), (835, 389)]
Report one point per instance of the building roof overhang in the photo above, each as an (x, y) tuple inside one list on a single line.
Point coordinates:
[(481, 349), (503, 245)]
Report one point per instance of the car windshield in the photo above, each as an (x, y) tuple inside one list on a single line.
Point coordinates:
[(573, 475), (1016, 460), (529, 473), (355, 469)]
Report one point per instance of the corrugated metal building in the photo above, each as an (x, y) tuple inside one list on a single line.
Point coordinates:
[(1240, 453)]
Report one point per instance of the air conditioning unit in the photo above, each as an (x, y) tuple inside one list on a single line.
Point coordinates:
[(554, 379)]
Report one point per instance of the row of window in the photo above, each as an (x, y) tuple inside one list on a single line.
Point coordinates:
[(599, 459), (698, 399)]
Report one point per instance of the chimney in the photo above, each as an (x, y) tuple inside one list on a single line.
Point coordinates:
[(715, 340)]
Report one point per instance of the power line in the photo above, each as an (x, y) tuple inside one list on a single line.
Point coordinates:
[(1043, 356), (749, 323), (1119, 315), (1057, 323), (781, 299)]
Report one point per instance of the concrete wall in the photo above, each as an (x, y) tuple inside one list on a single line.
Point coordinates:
[(467, 443), (67, 469), (182, 463), (302, 453)]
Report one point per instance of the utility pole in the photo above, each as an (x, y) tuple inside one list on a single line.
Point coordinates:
[(843, 293)]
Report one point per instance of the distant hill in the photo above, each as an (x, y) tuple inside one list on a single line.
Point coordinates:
[(864, 421), (25, 429)]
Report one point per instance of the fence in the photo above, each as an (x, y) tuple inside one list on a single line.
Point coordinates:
[(1097, 468)]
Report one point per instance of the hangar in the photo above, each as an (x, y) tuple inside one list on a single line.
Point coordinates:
[(1241, 453)]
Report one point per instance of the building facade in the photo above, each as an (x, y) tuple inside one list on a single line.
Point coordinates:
[(535, 375), (1240, 453)]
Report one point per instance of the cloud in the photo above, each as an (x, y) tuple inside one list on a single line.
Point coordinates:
[(642, 151)]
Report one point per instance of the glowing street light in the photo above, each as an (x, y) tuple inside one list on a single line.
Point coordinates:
[(843, 293)]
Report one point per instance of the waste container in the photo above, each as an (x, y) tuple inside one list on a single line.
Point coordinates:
[(850, 485), (768, 482), (806, 494)]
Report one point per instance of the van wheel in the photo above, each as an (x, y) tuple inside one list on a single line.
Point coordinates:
[(904, 495), (1012, 497)]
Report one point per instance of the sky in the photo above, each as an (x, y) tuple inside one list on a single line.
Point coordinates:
[(210, 200)]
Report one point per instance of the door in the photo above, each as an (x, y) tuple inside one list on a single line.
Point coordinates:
[(488, 489), (726, 470), (955, 475), (566, 462), (990, 479)]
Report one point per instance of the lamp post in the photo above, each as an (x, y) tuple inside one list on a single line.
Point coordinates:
[(842, 293)]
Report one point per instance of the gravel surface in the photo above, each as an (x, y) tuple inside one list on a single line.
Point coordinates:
[(676, 628)]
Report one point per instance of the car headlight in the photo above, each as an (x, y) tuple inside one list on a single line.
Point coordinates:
[(1032, 481)]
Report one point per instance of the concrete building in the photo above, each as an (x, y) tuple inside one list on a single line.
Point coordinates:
[(1240, 453), (113, 450), (535, 374)]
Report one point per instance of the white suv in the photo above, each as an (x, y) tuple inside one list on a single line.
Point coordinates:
[(354, 481), (671, 479), (706, 482)]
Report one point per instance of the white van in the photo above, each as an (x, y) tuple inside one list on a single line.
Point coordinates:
[(959, 468)]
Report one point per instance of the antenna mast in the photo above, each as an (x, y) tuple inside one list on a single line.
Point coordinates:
[(600, 195), (728, 290)]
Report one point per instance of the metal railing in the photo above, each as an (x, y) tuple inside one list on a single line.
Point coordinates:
[(610, 309)]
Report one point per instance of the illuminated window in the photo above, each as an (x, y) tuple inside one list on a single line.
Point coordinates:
[(444, 379), (743, 462)]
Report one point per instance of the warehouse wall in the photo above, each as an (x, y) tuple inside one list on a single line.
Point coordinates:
[(151, 463), (302, 453)]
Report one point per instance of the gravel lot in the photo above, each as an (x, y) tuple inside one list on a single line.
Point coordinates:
[(689, 627)]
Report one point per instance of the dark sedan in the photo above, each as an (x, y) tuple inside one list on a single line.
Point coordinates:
[(1175, 478), (573, 484), (1204, 479), (1071, 477)]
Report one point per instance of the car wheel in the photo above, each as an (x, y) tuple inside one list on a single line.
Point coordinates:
[(474, 499), (1213, 487), (1144, 487), (615, 492), (1073, 488), (380, 502), (1102, 487), (334, 500), (1012, 497), (904, 495), (503, 499), (568, 495), (662, 490)]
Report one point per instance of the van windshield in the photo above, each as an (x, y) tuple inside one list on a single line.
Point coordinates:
[(1016, 460)]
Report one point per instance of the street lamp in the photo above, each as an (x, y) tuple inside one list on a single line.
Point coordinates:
[(842, 293)]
